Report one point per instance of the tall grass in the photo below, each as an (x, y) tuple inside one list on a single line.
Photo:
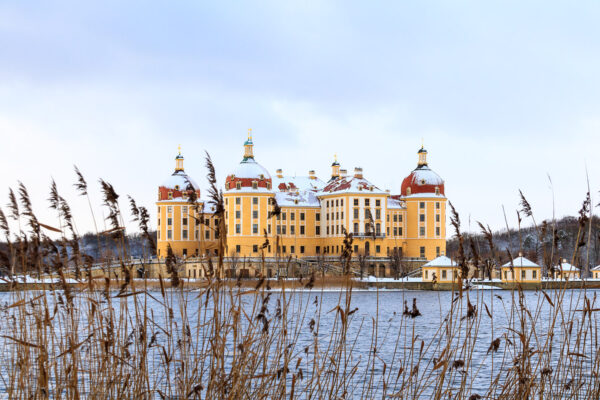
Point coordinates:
[(129, 339)]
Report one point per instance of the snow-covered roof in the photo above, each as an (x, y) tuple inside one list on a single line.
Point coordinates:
[(423, 175), (441, 261), (350, 184), (179, 179), (596, 268), (424, 195), (297, 183), (305, 198), (565, 266), (250, 169), (395, 204), (521, 262)]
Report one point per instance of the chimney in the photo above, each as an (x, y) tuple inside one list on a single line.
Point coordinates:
[(358, 172), (279, 173), (343, 173), (311, 174)]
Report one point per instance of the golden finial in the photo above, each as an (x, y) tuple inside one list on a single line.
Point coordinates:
[(179, 149), (422, 143), (335, 157), (249, 133)]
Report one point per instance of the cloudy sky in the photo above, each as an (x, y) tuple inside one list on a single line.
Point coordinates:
[(504, 95)]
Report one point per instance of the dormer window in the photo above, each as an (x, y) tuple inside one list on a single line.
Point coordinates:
[(422, 181), (261, 177), (170, 195), (268, 185), (408, 191), (238, 185), (176, 187), (437, 190), (227, 186), (254, 185)]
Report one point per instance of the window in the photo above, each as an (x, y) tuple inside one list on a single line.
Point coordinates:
[(505, 275), (255, 248), (422, 205), (437, 205), (238, 248), (255, 214), (327, 230), (207, 235), (292, 216), (283, 230), (327, 216), (422, 217), (342, 202), (283, 248), (437, 190), (443, 274), (255, 200), (426, 274), (269, 226), (437, 218), (238, 214), (302, 229), (238, 200), (378, 249), (318, 216), (337, 203), (255, 228), (437, 251), (301, 249), (184, 234), (377, 203), (399, 231), (422, 231), (279, 229), (378, 228), (400, 218), (170, 195), (318, 249), (159, 222), (283, 216), (367, 202), (377, 213), (523, 274), (355, 202), (422, 251), (337, 215), (395, 231), (184, 221), (169, 234), (170, 209), (292, 229), (292, 249), (301, 216), (534, 274), (317, 230), (185, 252), (437, 230), (356, 227), (238, 185), (169, 221), (238, 228)]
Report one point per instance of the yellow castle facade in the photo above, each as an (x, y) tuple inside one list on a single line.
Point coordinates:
[(304, 217)]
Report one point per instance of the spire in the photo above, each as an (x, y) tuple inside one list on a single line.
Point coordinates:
[(335, 168), (179, 160), (248, 145), (422, 156)]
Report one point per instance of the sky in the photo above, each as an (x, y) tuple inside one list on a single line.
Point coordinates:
[(505, 96)]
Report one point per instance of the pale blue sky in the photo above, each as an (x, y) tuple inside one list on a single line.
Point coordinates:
[(503, 94)]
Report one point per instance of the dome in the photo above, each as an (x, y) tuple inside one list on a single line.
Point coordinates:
[(249, 174), (422, 180), (178, 183)]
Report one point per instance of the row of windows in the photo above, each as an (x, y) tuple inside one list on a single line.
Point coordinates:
[(422, 205), (326, 249), (184, 234)]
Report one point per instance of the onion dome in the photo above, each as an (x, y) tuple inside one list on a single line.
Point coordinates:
[(179, 184), (422, 180), (249, 175)]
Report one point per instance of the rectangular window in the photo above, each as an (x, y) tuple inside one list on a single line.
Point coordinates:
[(327, 230), (169, 221), (437, 230), (317, 230), (238, 200), (422, 205), (255, 214), (292, 216), (437, 218), (302, 229), (283, 230), (355, 227), (255, 248), (292, 229), (377, 203), (269, 227), (301, 216), (395, 231), (422, 231), (356, 248), (255, 228), (422, 251), (400, 218), (283, 216), (238, 228), (318, 249), (207, 234), (336, 203), (184, 221), (342, 202), (255, 200), (366, 202), (238, 214), (399, 231), (534, 274), (159, 222), (184, 210), (378, 249), (443, 274), (395, 218), (279, 229), (355, 202), (523, 274), (184, 234), (377, 213), (301, 249), (283, 249), (505, 275), (437, 205), (437, 251), (292, 249), (170, 209), (317, 216), (422, 217), (169, 234), (238, 248)]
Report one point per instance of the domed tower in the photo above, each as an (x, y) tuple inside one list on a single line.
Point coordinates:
[(248, 200), (176, 223), (424, 193)]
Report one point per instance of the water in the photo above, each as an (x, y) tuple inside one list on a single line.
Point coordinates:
[(381, 341)]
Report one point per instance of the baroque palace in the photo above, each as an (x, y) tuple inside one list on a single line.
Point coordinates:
[(314, 214)]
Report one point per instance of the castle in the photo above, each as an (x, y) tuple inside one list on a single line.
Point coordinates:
[(312, 215)]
